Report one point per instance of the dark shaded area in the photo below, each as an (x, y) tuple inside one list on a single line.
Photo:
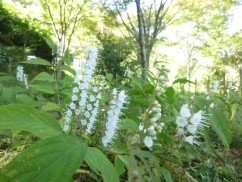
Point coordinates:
[(18, 39)]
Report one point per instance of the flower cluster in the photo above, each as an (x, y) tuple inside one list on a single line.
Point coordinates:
[(119, 99), (190, 124), (21, 76), (152, 127), (85, 101)]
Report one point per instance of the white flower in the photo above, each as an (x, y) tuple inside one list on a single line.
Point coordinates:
[(185, 111), (208, 97), (99, 96), (82, 102), (65, 128), (87, 114), (95, 89), (211, 105), (83, 122), (181, 122), (89, 107), (192, 129), (141, 127), (74, 98), (69, 113), (148, 141), (92, 98), (72, 105), (67, 119), (190, 139), (78, 112), (196, 118), (76, 80), (75, 90), (113, 116), (83, 94)]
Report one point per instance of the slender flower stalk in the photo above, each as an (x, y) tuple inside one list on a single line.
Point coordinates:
[(152, 126), (21, 76), (80, 93), (113, 116)]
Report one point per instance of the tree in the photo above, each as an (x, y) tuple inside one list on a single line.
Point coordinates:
[(65, 16), (146, 26), (113, 53)]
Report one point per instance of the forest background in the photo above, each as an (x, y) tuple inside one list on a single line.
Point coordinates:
[(171, 51)]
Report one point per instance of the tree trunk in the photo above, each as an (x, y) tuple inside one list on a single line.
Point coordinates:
[(142, 49), (240, 73), (208, 84)]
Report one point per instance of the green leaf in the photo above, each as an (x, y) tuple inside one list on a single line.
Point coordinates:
[(68, 69), (26, 118), (119, 166), (9, 95), (50, 106), (170, 93), (109, 77), (166, 174), (43, 88), (129, 124), (51, 44), (140, 102), (201, 102), (220, 125), (25, 99), (125, 159), (182, 80), (37, 61), (137, 83), (43, 76), (6, 77), (97, 161), (51, 159)]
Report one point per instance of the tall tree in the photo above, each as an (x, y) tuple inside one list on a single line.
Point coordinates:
[(146, 25)]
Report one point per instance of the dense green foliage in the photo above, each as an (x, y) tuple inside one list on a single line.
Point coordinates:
[(58, 128)]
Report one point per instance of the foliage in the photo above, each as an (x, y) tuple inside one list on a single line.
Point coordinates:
[(137, 127), (18, 40), (113, 54)]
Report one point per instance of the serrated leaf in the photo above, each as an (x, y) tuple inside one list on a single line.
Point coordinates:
[(51, 159), (97, 161), (43, 88), (26, 118), (43, 76), (220, 125), (37, 61)]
